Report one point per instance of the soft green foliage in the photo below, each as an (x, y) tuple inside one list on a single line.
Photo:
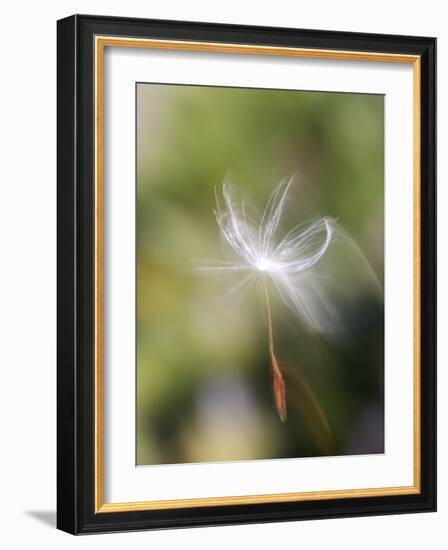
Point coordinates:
[(203, 385)]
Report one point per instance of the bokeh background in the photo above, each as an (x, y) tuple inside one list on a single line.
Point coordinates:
[(203, 371)]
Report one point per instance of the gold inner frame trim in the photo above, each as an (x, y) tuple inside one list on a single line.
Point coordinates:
[(101, 42)]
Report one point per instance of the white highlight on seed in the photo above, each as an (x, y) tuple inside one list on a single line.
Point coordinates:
[(265, 264)]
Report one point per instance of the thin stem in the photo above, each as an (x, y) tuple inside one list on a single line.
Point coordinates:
[(270, 332), (278, 384)]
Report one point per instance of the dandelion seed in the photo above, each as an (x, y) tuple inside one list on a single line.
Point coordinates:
[(261, 252)]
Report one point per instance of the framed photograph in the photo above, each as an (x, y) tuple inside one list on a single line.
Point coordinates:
[(246, 274)]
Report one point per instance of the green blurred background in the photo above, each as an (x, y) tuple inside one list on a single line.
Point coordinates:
[(203, 371)]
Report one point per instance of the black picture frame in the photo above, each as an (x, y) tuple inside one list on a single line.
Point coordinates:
[(76, 511)]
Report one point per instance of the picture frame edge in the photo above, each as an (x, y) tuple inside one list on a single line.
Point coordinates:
[(75, 219)]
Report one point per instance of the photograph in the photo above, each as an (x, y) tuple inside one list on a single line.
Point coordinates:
[(246, 274), (222, 274), (259, 274)]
